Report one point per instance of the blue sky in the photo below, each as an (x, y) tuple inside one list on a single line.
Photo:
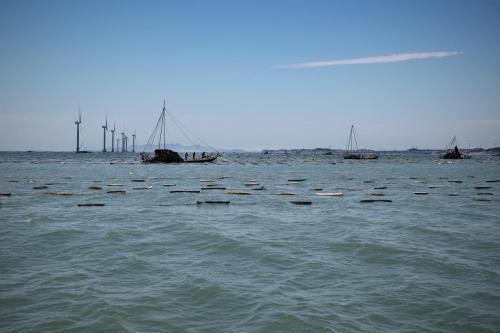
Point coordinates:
[(222, 67)]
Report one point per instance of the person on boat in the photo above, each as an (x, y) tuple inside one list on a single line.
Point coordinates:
[(194, 155), (203, 155), (186, 156), (456, 151)]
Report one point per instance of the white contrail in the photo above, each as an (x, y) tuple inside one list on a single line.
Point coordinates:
[(374, 60)]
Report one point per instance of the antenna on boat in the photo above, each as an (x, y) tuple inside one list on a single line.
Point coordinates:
[(77, 123), (113, 139), (104, 129)]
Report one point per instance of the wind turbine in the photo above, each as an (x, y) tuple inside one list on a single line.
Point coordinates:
[(133, 142), (123, 142), (105, 129), (113, 139), (77, 123)]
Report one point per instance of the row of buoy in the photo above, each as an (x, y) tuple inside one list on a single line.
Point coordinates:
[(253, 183)]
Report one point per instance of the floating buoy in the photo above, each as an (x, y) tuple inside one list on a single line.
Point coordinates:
[(374, 200), (91, 205), (43, 187), (482, 187), (223, 202), (4, 194), (330, 194), (420, 193), (185, 191), (285, 193), (238, 193), (301, 202), (95, 188), (143, 188), (59, 193), (117, 192)]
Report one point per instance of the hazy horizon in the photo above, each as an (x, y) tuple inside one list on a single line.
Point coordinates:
[(251, 76)]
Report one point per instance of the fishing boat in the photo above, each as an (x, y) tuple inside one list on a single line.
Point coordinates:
[(452, 152), (352, 151), (164, 155)]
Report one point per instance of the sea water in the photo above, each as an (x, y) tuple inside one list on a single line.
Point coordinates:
[(154, 261)]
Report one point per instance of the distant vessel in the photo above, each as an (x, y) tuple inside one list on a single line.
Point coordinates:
[(352, 151), (452, 152), (164, 155)]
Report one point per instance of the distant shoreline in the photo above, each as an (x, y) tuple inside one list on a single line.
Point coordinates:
[(284, 151)]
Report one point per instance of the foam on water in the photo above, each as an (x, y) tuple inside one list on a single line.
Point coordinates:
[(156, 261)]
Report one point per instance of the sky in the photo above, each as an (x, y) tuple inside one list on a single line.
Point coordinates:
[(251, 74)]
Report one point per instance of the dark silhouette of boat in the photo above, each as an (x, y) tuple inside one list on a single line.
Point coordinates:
[(164, 155), (452, 152), (352, 151)]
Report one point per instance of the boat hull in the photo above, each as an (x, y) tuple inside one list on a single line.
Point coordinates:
[(168, 156), (360, 157)]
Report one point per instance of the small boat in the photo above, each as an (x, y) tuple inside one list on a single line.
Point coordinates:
[(452, 152), (352, 151), (164, 155)]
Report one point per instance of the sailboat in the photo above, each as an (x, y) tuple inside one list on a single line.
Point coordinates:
[(452, 152), (352, 151), (164, 155)]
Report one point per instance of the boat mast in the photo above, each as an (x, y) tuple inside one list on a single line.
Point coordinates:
[(355, 140), (164, 126)]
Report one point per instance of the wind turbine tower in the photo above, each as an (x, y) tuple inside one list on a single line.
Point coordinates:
[(133, 142), (113, 140), (105, 129), (123, 142), (77, 123), (117, 145)]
